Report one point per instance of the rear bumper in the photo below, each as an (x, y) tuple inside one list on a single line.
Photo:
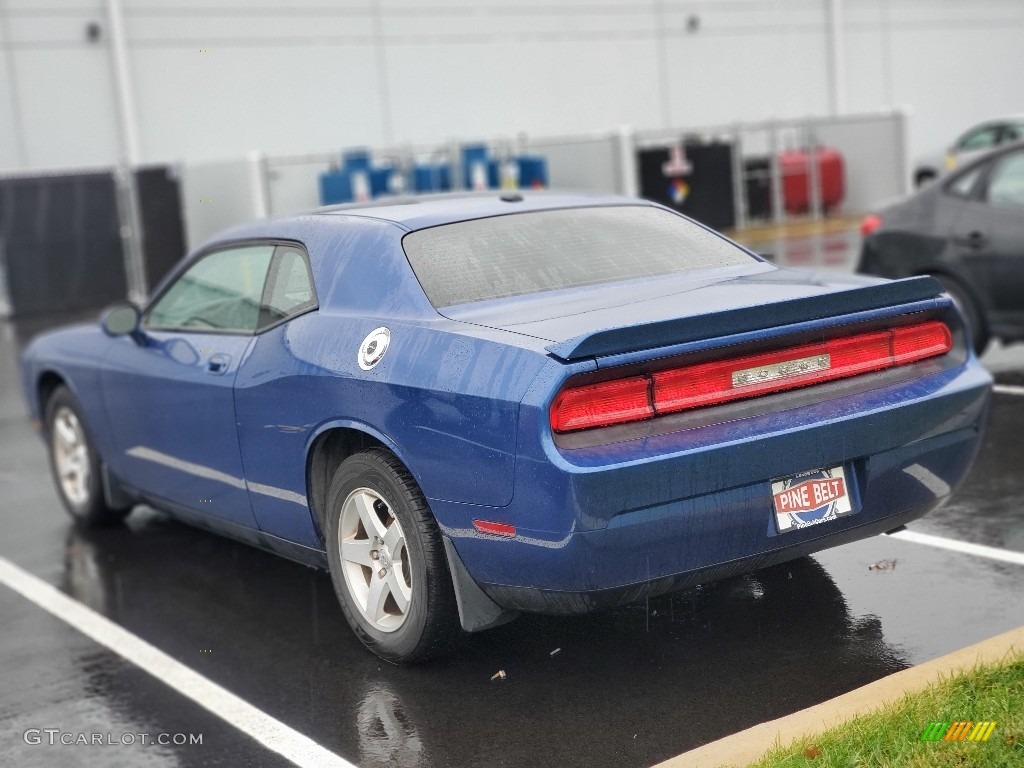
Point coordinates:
[(704, 511), (565, 603)]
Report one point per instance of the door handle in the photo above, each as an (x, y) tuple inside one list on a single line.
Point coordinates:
[(974, 239), (218, 363)]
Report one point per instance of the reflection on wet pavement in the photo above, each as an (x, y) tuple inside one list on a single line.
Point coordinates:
[(989, 507), (828, 250), (626, 682)]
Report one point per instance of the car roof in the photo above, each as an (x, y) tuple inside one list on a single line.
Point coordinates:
[(1012, 119), (421, 211)]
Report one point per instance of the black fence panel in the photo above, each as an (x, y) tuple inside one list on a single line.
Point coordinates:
[(61, 246), (697, 181), (162, 225), (61, 249)]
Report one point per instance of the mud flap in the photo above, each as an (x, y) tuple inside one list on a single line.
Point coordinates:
[(113, 493), (477, 611)]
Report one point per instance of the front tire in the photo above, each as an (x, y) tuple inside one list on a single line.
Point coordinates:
[(387, 561), (75, 463)]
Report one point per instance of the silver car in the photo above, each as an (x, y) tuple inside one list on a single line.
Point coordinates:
[(971, 144)]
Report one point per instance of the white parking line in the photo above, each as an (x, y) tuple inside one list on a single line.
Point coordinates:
[(1008, 389), (271, 733), (980, 550)]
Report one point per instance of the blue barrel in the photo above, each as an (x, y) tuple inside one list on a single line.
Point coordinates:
[(356, 160), (335, 187), (493, 174), (432, 178), (533, 172), (380, 180)]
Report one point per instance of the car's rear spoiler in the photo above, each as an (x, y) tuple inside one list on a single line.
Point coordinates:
[(611, 341)]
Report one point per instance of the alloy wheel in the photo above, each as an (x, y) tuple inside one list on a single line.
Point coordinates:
[(375, 559), (71, 456)]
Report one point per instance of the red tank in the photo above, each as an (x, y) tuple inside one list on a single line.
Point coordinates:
[(796, 188)]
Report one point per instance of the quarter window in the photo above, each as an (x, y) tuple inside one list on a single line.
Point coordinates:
[(962, 185), (220, 292), (1013, 132), (289, 287)]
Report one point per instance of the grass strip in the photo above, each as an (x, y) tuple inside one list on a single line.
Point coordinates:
[(891, 737)]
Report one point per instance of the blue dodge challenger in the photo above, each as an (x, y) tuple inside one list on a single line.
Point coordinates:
[(469, 407)]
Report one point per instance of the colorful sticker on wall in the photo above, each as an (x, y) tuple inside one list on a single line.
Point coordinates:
[(678, 191)]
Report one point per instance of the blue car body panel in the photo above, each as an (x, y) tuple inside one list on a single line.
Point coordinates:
[(462, 399), (171, 406)]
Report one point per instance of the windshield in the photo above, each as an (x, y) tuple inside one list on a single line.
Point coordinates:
[(540, 251)]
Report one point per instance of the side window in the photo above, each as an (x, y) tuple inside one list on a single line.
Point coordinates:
[(220, 292), (289, 290), (982, 138), (1006, 184)]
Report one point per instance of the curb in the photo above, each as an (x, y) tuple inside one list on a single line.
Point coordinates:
[(747, 746)]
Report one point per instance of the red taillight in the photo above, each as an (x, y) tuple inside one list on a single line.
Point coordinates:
[(870, 223), (722, 381), (599, 405), (770, 372), (919, 342)]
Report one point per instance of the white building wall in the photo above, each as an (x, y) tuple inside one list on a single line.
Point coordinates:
[(216, 78), (955, 63), (59, 88), (11, 153)]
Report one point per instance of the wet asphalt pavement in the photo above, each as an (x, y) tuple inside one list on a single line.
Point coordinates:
[(629, 687)]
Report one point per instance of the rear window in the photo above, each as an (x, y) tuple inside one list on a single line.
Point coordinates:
[(548, 250)]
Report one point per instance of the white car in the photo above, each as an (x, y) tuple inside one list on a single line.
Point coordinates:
[(972, 143)]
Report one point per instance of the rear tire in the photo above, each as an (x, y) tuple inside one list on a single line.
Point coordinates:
[(977, 328), (75, 463), (922, 178), (387, 560)]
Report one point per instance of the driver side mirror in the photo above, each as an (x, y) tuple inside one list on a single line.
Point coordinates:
[(121, 319)]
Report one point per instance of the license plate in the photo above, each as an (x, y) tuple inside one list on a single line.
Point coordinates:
[(810, 498)]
